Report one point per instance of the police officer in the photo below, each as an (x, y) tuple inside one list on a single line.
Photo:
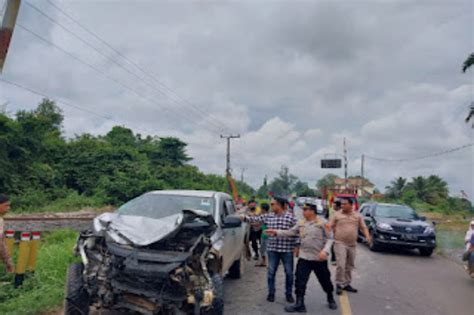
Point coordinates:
[(314, 249)]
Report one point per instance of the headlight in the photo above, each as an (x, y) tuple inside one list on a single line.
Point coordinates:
[(384, 226), (429, 230)]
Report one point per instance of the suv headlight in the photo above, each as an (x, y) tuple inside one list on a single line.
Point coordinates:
[(429, 230), (384, 226)]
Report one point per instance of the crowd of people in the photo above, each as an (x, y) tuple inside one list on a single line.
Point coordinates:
[(312, 240)]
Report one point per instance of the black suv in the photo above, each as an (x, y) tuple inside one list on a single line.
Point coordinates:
[(393, 225)]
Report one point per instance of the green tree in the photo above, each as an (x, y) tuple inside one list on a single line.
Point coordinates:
[(396, 187), (467, 64), (326, 181), (420, 187), (284, 183), (262, 192)]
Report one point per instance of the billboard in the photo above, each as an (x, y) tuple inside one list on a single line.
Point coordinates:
[(331, 163)]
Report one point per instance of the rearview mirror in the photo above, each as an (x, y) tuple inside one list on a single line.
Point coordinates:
[(231, 222)]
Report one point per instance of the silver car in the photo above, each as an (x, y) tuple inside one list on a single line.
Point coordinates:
[(164, 252)]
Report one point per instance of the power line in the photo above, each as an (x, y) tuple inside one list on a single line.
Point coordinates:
[(205, 115), (422, 157), (104, 74), (46, 96), (102, 116)]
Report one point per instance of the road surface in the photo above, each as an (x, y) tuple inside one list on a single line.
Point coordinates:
[(389, 283)]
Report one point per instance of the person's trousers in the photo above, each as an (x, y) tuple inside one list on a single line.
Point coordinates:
[(333, 254), (470, 262), (303, 271), (255, 239), (345, 256), (274, 259)]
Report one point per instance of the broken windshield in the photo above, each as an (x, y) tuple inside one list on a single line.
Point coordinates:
[(157, 206)]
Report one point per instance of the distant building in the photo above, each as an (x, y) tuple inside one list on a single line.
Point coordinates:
[(363, 186)]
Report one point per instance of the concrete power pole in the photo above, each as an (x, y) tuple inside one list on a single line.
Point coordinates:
[(345, 164), (242, 171), (7, 27), (227, 168), (362, 160)]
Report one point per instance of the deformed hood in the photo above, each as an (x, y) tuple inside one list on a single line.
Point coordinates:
[(143, 231)]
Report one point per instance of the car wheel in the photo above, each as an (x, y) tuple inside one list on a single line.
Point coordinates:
[(235, 271), (77, 298), (374, 246), (426, 251), (217, 307)]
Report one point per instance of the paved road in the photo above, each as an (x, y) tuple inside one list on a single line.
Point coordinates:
[(390, 283)]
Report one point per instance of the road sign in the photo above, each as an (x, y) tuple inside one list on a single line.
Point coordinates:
[(331, 163)]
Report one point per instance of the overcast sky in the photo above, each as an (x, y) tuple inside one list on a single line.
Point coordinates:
[(293, 78)]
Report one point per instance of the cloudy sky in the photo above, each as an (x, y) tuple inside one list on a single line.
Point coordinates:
[(293, 78)]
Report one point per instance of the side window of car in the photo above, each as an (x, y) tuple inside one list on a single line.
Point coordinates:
[(230, 207), (225, 211)]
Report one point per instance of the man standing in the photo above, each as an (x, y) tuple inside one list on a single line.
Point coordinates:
[(4, 256), (336, 208), (255, 229), (346, 225), (313, 254), (279, 248)]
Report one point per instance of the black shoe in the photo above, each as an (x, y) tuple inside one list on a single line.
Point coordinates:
[(338, 290), (332, 303), (271, 298), (299, 307), (348, 288), (290, 299)]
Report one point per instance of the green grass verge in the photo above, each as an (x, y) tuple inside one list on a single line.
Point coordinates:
[(43, 290)]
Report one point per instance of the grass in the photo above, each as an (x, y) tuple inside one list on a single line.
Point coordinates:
[(44, 290)]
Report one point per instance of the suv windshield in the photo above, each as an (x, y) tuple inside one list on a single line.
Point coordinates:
[(394, 211), (157, 206)]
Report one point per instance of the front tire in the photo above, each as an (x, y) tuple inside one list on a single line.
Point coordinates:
[(217, 307), (77, 298), (427, 252), (374, 247), (235, 271)]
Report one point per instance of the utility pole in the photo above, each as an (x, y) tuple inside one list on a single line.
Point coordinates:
[(345, 164), (227, 168), (242, 171), (362, 160), (7, 27)]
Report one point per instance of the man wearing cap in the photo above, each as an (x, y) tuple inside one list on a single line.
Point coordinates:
[(278, 248), (314, 248), (4, 256)]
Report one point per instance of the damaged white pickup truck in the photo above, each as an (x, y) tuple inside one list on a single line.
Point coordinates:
[(165, 252)]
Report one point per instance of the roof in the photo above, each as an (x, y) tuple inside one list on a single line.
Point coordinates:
[(354, 182), (190, 193)]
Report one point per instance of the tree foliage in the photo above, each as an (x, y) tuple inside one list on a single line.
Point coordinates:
[(39, 165)]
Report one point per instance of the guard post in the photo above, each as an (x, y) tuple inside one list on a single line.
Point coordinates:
[(22, 261)]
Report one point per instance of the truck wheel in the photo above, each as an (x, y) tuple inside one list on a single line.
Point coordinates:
[(217, 307), (77, 298), (426, 251), (235, 269)]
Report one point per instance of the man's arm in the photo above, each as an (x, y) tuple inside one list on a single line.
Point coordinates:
[(294, 231), (254, 218), (365, 230)]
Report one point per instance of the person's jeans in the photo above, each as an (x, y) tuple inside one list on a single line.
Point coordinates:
[(274, 259)]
